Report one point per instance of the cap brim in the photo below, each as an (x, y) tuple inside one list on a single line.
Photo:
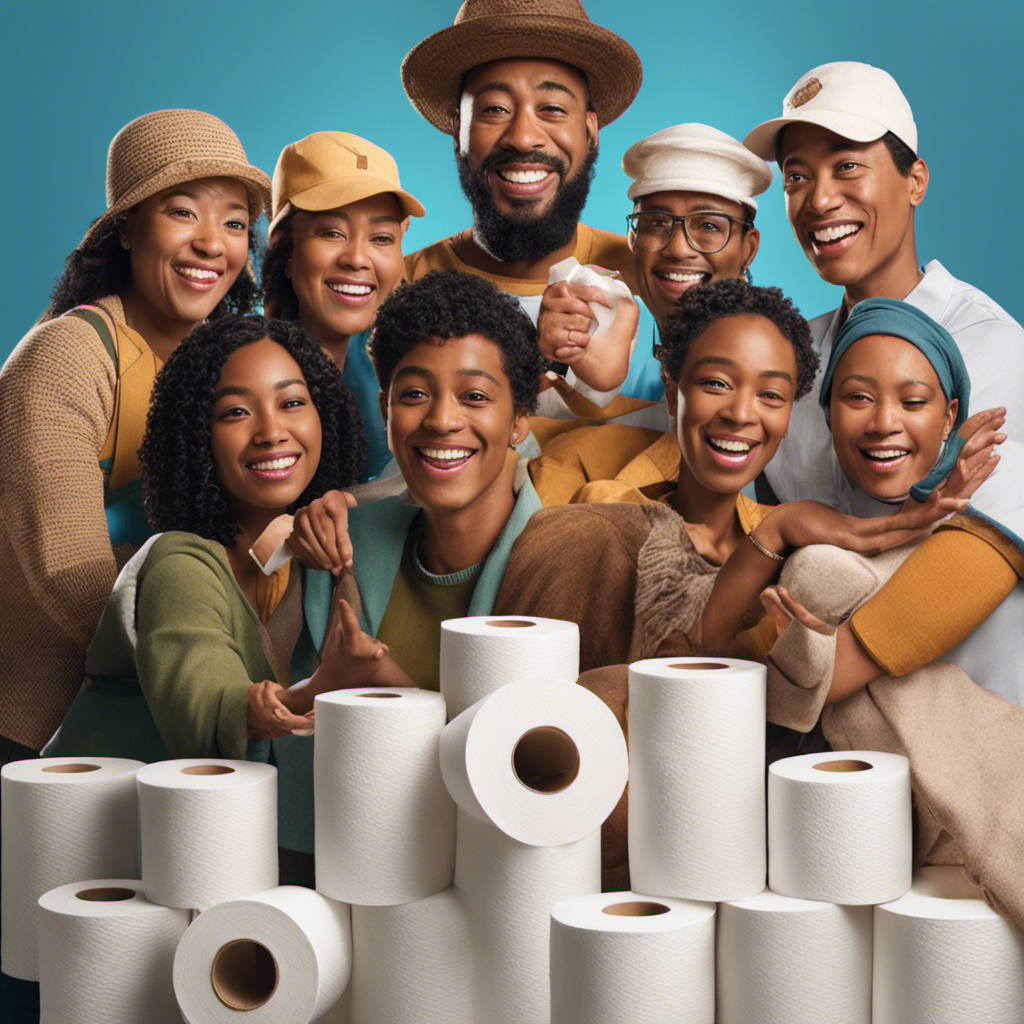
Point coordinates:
[(679, 184), (433, 70), (857, 129)]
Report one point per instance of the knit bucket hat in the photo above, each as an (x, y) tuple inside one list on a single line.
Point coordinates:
[(169, 147), (486, 30)]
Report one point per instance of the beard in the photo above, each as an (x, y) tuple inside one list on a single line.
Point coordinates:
[(522, 236)]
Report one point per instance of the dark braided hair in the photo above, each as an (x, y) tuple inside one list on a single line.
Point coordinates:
[(696, 309), (279, 298), (452, 304), (104, 268), (180, 488)]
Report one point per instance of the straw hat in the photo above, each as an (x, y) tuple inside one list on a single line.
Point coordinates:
[(326, 170), (169, 147), (486, 30)]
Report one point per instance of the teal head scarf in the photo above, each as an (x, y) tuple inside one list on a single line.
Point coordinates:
[(901, 320)]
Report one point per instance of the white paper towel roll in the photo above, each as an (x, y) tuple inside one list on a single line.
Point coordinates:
[(63, 819), (839, 827), (509, 889), (570, 269), (544, 763), (209, 830), (385, 825), (942, 955), (481, 654), (696, 778), (621, 958), (788, 961), (278, 957), (106, 955), (412, 964)]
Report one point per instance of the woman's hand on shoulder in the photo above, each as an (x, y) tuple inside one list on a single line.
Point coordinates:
[(319, 537)]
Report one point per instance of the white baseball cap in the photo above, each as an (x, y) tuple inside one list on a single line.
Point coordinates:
[(857, 101), (696, 158)]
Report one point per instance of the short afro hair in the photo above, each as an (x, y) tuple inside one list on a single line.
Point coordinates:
[(180, 489), (698, 308), (451, 304)]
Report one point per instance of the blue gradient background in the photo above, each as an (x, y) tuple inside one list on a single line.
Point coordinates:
[(275, 72)]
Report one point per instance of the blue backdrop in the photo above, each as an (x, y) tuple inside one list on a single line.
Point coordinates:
[(275, 72)]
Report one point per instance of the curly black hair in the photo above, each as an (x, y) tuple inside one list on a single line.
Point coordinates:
[(698, 308), (452, 304), (180, 489), (279, 298), (103, 268)]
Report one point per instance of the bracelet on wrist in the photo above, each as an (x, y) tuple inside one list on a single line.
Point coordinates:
[(764, 550)]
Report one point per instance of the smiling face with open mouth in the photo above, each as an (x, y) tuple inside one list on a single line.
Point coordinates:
[(451, 420), (851, 210), (661, 277), (344, 263), (735, 394), (265, 433), (889, 416)]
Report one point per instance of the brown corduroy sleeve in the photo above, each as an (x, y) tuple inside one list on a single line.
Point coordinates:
[(56, 402), (940, 595)]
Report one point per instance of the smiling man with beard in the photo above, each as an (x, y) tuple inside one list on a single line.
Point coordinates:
[(525, 133)]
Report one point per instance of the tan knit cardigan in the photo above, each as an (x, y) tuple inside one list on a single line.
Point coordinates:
[(57, 566)]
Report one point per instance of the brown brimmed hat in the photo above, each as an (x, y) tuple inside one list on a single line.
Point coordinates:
[(486, 30), (169, 147)]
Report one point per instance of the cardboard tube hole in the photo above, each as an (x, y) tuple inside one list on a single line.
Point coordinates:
[(380, 696), (843, 766), (546, 760), (111, 895), (511, 623), (244, 974), (207, 769), (698, 666), (71, 769), (636, 909)]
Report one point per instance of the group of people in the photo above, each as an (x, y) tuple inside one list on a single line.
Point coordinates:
[(453, 437)]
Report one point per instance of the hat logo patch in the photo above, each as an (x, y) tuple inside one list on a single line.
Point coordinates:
[(806, 92)]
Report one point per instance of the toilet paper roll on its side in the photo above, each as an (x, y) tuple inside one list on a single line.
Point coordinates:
[(481, 654), (385, 824), (942, 954), (788, 961), (839, 827), (209, 830), (570, 269), (412, 964), (621, 958), (106, 955), (509, 890), (544, 763), (63, 819), (696, 778), (278, 957)]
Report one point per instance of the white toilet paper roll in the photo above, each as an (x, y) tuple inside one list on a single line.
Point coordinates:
[(278, 957), (412, 964), (62, 819), (788, 961), (544, 763), (509, 889), (621, 958), (209, 830), (385, 825), (942, 955), (106, 955), (481, 654), (570, 269), (839, 827), (696, 778)]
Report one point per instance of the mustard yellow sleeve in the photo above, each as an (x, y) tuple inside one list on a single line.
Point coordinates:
[(754, 644), (947, 587)]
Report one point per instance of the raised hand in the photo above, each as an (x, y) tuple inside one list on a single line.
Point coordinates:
[(319, 537)]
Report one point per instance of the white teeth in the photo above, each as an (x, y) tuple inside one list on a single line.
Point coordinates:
[(351, 289), (740, 447), (270, 464), (833, 234), (448, 454), (524, 177), (671, 275), (196, 274), (892, 453)]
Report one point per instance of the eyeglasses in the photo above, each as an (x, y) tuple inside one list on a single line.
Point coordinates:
[(705, 232)]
